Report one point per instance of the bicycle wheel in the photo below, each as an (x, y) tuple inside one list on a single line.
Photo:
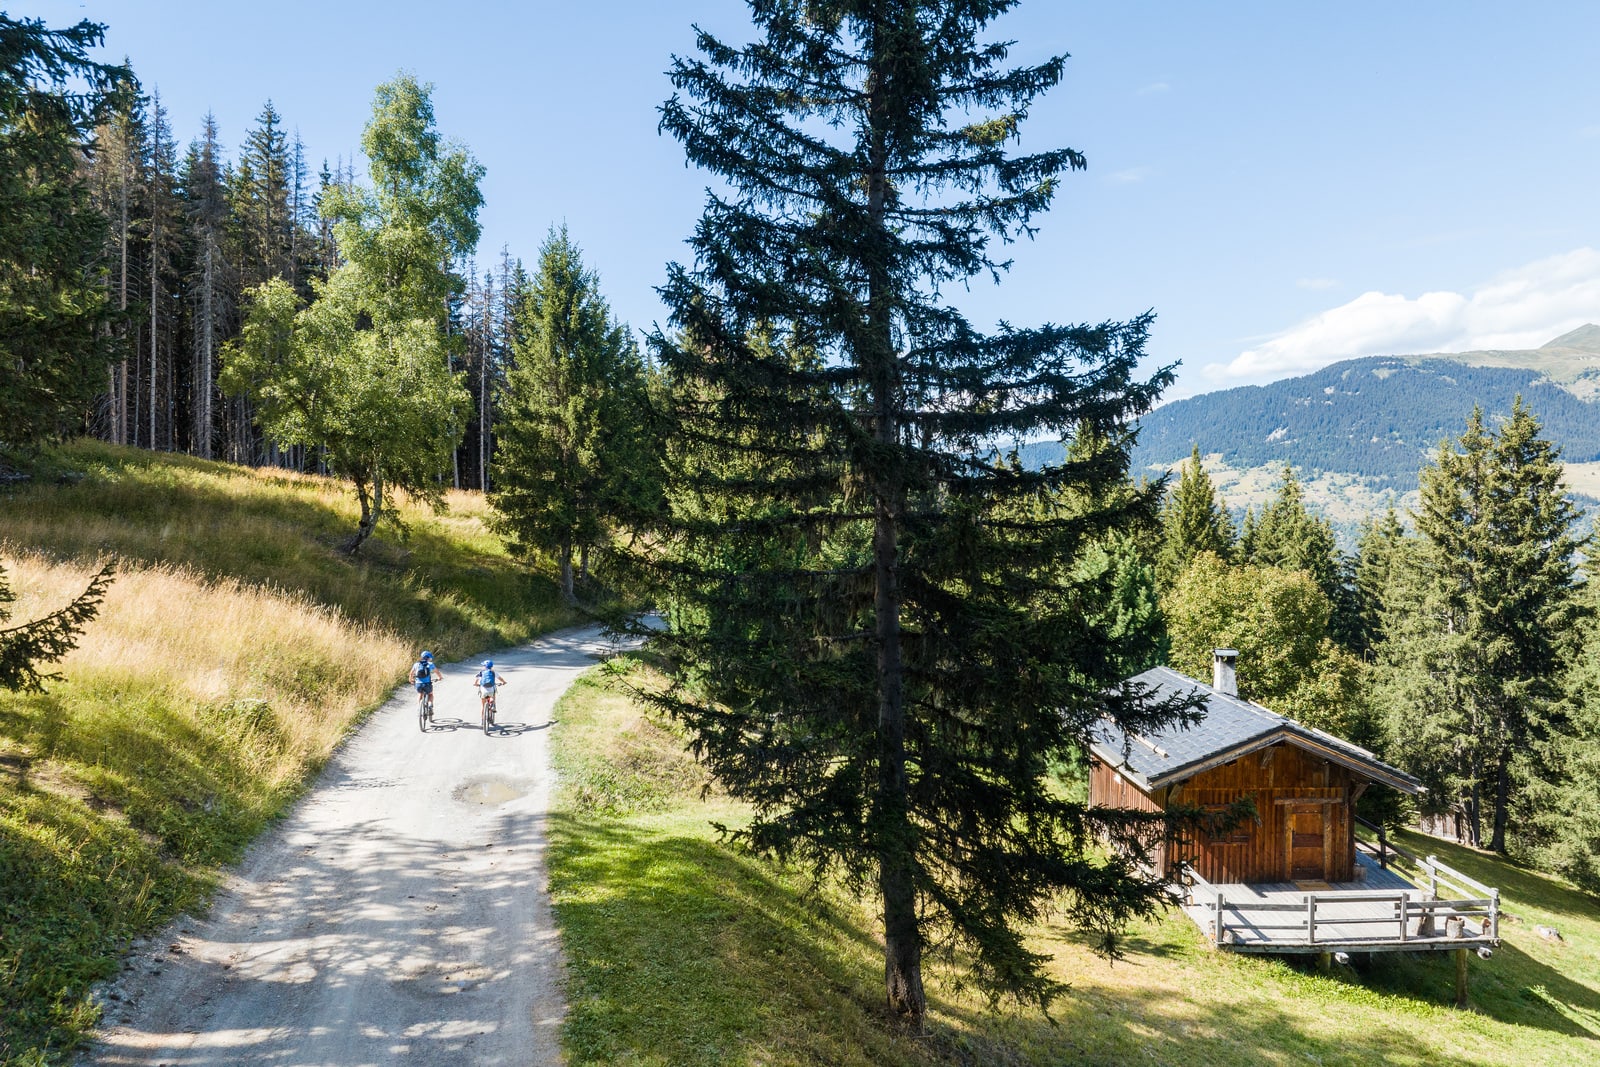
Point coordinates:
[(483, 714), (422, 712), (491, 713)]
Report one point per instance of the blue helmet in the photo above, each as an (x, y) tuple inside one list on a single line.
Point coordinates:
[(427, 656), (488, 664)]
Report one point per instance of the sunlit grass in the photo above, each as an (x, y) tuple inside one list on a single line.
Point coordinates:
[(682, 950), (234, 650)]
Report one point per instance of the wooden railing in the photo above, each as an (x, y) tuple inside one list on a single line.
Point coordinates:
[(1417, 913)]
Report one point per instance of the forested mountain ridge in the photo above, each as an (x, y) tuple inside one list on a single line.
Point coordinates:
[(1377, 418)]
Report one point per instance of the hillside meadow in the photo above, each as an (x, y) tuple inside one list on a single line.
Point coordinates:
[(234, 650), (682, 950)]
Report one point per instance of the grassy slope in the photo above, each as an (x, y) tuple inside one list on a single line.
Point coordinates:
[(234, 650), (682, 951)]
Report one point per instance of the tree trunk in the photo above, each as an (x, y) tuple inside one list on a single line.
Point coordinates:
[(202, 416), (371, 510), (902, 935), (568, 596), (1502, 801)]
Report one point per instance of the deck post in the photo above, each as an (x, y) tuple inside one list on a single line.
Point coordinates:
[(1433, 878), (1404, 918), (1494, 914), (1311, 918), (1461, 978), (1383, 848), (1325, 962), (1218, 924)]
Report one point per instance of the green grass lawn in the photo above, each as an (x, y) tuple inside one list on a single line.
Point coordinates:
[(682, 950), (235, 649)]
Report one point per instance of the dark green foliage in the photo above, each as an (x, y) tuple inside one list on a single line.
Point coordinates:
[(53, 315), (1285, 534), (23, 648), (1193, 520), (1374, 568), (573, 453), (1481, 624), (878, 634)]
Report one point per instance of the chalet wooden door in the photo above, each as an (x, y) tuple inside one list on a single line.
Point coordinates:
[(1307, 842)]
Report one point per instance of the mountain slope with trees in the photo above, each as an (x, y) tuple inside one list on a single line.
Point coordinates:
[(1378, 418)]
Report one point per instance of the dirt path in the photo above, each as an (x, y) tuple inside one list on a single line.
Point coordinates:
[(397, 914)]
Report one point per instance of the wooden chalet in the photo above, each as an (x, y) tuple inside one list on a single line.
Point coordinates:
[(1296, 879), (1305, 783)]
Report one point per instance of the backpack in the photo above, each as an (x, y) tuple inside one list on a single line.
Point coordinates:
[(486, 679), (424, 671)]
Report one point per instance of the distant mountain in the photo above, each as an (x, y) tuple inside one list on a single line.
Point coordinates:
[(1378, 418)]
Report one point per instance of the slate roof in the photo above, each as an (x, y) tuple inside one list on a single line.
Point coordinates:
[(1231, 728)]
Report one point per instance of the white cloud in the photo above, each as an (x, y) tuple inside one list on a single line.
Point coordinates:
[(1316, 283), (1129, 176), (1154, 87), (1521, 308)]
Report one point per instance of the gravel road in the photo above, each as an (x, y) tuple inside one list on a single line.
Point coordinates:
[(398, 914)]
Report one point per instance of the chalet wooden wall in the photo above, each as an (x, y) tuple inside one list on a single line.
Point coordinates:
[(1258, 851), (1108, 789)]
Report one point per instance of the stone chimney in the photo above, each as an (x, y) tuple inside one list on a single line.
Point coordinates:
[(1223, 680)]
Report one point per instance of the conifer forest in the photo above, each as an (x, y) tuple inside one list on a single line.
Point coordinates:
[(890, 627)]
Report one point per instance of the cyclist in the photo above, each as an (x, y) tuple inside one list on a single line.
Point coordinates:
[(423, 673), (487, 681)]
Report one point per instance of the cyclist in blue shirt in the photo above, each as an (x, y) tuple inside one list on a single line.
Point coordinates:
[(487, 681), (423, 675)]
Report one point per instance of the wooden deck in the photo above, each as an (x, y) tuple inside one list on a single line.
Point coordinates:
[(1380, 912)]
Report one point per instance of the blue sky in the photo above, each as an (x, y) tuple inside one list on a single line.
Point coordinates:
[(1285, 185)]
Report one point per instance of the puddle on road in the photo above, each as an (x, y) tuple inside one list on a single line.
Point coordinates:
[(489, 791)]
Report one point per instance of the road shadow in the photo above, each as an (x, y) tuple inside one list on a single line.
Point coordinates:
[(512, 729), (335, 952)]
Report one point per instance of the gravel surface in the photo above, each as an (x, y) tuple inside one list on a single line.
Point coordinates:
[(398, 914)]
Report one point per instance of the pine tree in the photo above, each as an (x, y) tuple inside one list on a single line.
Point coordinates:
[(24, 648), (262, 200), (1376, 560), (211, 282), (53, 314), (164, 230), (572, 443), (876, 634), (1475, 656), (1193, 520)]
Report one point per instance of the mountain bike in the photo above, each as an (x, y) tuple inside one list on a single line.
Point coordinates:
[(486, 710), (425, 708)]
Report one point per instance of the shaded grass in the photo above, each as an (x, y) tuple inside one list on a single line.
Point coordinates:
[(234, 650), (683, 950)]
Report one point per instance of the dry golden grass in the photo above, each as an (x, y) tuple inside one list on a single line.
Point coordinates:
[(217, 643)]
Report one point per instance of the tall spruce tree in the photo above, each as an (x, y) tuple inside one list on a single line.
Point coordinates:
[(1475, 654), (211, 284), (876, 635), (572, 445), (1377, 558), (1193, 520), (53, 306)]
